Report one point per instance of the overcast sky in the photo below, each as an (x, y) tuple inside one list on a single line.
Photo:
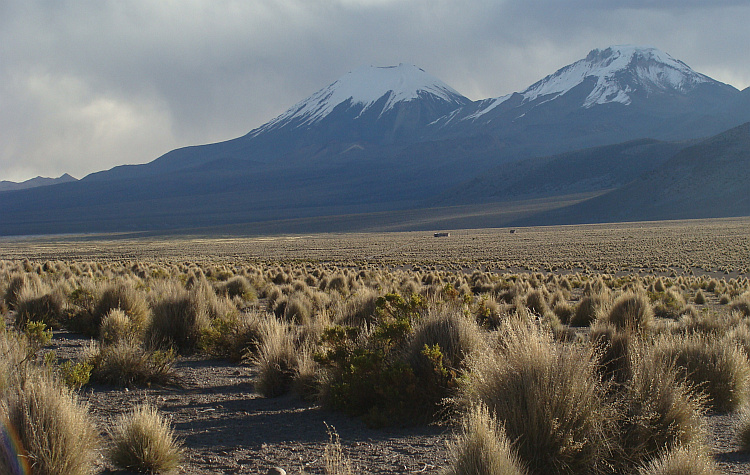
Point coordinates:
[(86, 85)]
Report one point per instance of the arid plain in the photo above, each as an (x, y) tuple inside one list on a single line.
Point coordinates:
[(390, 352)]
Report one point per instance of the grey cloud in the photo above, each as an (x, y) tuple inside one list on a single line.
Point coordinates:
[(88, 85)]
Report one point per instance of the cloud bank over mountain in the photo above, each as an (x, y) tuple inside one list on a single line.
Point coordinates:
[(88, 85)]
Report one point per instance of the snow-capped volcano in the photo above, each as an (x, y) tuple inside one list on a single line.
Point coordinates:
[(367, 90), (619, 72)]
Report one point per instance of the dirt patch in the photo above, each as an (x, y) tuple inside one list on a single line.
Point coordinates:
[(228, 428)]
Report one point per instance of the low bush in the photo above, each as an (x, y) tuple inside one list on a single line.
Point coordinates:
[(127, 363), (143, 441), (37, 302)]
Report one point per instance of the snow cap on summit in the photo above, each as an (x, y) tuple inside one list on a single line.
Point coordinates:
[(619, 71), (364, 87)]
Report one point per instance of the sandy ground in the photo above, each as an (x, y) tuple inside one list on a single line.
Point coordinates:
[(228, 428)]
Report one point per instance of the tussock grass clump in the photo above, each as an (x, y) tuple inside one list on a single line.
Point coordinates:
[(52, 426), (482, 448), (660, 409), (15, 353), (742, 430), (15, 284), (37, 302), (683, 460), (298, 309), (699, 298), (668, 304), (232, 336), (612, 350), (144, 442), (548, 398), (564, 311), (741, 304), (631, 311), (536, 302), (588, 309), (711, 365), (117, 326), (358, 308), (178, 320), (238, 286), (126, 363), (128, 299), (456, 335), (277, 360)]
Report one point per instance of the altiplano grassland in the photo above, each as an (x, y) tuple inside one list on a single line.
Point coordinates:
[(717, 245), (603, 349)]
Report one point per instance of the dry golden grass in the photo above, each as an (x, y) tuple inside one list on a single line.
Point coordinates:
[(547, 398), (482, 447), (53, 427), (683, 460), (571, 400), (143, 441)]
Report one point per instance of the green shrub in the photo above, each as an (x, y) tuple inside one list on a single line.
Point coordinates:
[(144, 442), (37, 335), (75, 375), (482, 448)]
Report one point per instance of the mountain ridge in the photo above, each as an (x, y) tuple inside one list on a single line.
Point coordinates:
[(400, 144)]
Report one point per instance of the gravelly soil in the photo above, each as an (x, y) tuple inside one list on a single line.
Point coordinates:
[(227, 428)]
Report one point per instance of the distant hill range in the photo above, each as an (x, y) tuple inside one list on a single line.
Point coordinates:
[(629, 124), (34, 182)]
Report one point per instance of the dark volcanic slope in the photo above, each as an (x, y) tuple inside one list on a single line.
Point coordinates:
[(582, 171), (707, 180)]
